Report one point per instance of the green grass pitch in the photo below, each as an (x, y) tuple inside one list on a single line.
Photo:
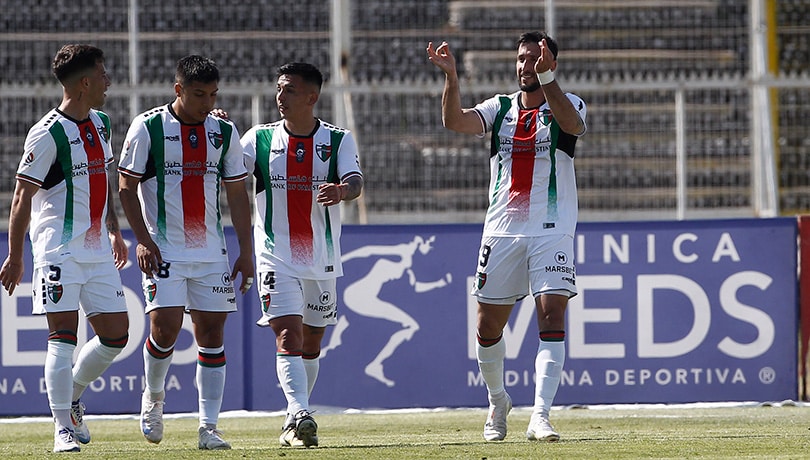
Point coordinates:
[(768, 432)]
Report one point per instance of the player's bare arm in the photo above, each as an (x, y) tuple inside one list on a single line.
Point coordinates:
[(239, 205), (147, 252), (330, 194), (119, 245), (20, 216), (562, 109), (454, 117), (353, 186)]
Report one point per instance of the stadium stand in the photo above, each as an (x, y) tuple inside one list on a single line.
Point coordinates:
[(626, 162)]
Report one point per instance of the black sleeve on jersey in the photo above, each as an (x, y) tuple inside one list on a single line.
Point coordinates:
[(149, 171), (566, 142), (56, 175), (260, 186)]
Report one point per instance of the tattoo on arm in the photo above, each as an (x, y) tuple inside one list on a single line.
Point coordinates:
[(112, 226), (580, 125), (354, 185)]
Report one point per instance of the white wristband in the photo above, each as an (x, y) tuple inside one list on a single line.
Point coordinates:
[(546, 77)]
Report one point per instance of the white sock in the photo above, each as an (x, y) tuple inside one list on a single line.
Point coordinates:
[(311, 366), (210, 383), (548, 368), (59, 375), (156, 362), (94, 358), (293, 379), (490, 362), (61, 418)]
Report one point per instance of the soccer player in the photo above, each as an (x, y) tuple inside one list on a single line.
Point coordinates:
[(174, 160), (64, 192), (303, 167), (527, 243)]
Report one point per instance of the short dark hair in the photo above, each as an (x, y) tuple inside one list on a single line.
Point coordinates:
[(71, 60), (535, 37), (196, 68), (308, 72)]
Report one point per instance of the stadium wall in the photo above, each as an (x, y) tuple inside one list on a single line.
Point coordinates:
[(668, 312)]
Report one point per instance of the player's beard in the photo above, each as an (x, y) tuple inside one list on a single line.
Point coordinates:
[(531, 87)]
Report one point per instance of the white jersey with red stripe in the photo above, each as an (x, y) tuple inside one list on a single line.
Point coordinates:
[(181, 167), (294, 234), (68, 160), (532, 189)]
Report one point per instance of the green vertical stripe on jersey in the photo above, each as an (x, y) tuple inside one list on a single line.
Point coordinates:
[(157, 150), (551, 209), (65, 161), (264, 139), (495, 146), (336, 137), (226, 130), (107, 126), (330, 245)]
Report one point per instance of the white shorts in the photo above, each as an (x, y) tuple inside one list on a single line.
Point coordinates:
[(63, 287), (282, 295), (204, 286), (509, 268)]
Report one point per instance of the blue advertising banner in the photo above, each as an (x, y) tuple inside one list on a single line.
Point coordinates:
[(401, 338), (684, 311), (667, 312), (23, 341)]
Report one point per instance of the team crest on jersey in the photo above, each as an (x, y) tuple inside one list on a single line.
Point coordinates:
[(323, 151), (55, 292), (150, 291), (527, 124), (482, 279), (91, 141), (265, 302), (215, 139), (545, 117), (102, 132), (192, 138), (299, 152)]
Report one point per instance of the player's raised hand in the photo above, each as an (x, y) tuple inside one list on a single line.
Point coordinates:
[(442, 57), (546, 59)]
